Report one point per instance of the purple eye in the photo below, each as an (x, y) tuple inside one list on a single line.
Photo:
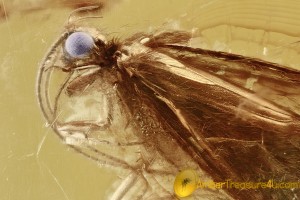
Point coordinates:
[(79, 44)]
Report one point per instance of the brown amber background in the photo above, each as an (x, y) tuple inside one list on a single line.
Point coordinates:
[(27, 29)]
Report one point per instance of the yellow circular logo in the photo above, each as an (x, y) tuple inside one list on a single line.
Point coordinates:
[(185, 183)]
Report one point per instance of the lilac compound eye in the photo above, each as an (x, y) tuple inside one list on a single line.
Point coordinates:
[(79, 44)]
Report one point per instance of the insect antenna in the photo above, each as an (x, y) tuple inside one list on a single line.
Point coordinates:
[(79, 10)]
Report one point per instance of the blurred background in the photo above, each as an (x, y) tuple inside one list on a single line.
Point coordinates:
[(34, 163)]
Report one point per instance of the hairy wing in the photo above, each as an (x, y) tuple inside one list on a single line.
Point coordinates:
[(239, 115)]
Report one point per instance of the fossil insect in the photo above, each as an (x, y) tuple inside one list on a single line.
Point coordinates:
[(151, 105)]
